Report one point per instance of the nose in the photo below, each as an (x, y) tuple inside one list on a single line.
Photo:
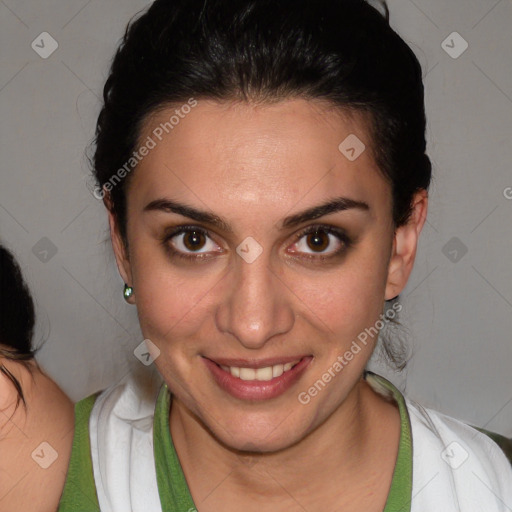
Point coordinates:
[(257, 304)]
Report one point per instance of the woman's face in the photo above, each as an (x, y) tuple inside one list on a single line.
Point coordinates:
[(250, 285)]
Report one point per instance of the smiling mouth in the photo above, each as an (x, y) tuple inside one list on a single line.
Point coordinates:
[(262, 374), (261, 379)]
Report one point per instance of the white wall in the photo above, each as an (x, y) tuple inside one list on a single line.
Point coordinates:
[(458, 314)]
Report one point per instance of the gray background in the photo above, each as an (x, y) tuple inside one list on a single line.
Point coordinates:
[(457, 306)]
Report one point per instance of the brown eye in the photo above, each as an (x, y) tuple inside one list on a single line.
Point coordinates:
[(190, 242), (193, 240), (318, 240)]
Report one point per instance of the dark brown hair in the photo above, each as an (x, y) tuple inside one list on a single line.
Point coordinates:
[(17, 318)]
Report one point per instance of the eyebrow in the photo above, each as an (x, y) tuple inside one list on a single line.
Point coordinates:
[(337, 204)]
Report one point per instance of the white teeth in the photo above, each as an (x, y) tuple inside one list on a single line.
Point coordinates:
[(264, 374), (247, 373), (277, 370)]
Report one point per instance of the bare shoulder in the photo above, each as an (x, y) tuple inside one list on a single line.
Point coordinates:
[(35, 440)]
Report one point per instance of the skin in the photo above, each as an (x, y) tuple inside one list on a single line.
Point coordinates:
[(49, 418), (254, 165)]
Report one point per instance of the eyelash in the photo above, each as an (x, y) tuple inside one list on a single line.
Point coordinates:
[(339, 233)]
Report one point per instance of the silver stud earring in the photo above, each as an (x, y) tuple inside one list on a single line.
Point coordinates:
[(127, 292)]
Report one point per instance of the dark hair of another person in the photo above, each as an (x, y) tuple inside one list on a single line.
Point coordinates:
[(265, 51), (17, 317)]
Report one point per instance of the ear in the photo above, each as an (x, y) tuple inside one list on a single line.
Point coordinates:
[(405, 243), (120, 251)]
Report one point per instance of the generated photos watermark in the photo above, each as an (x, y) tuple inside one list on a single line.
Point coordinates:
[(337, 366), (150, 143)]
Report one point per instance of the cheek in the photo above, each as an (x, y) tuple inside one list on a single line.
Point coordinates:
[(168, 304), (170, 300), (350, 297)]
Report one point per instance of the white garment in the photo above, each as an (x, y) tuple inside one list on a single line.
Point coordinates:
[(121, 435), (477, 476), (455, 467)]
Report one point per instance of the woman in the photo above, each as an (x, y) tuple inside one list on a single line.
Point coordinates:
[(36, 417), (264, 171)]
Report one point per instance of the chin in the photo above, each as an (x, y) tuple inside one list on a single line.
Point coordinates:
[(257, 435)]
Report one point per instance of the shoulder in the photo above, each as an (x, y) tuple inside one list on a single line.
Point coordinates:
[(79, 489), (438, 428), (112, 455), (35, 438), (455, 460), (127, 403)]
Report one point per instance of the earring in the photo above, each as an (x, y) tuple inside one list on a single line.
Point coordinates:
[(127, 292)]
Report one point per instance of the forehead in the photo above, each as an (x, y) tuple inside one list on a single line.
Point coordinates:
[(235, 156)]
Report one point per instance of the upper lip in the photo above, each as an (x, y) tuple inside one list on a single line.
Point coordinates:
[(255, 363)]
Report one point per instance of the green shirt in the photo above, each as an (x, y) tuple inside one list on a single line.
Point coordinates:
[(79, 493)]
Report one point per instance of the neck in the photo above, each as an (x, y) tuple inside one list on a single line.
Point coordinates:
[(344, 445)]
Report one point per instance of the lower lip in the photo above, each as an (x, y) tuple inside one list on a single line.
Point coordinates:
[(257, 389)]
